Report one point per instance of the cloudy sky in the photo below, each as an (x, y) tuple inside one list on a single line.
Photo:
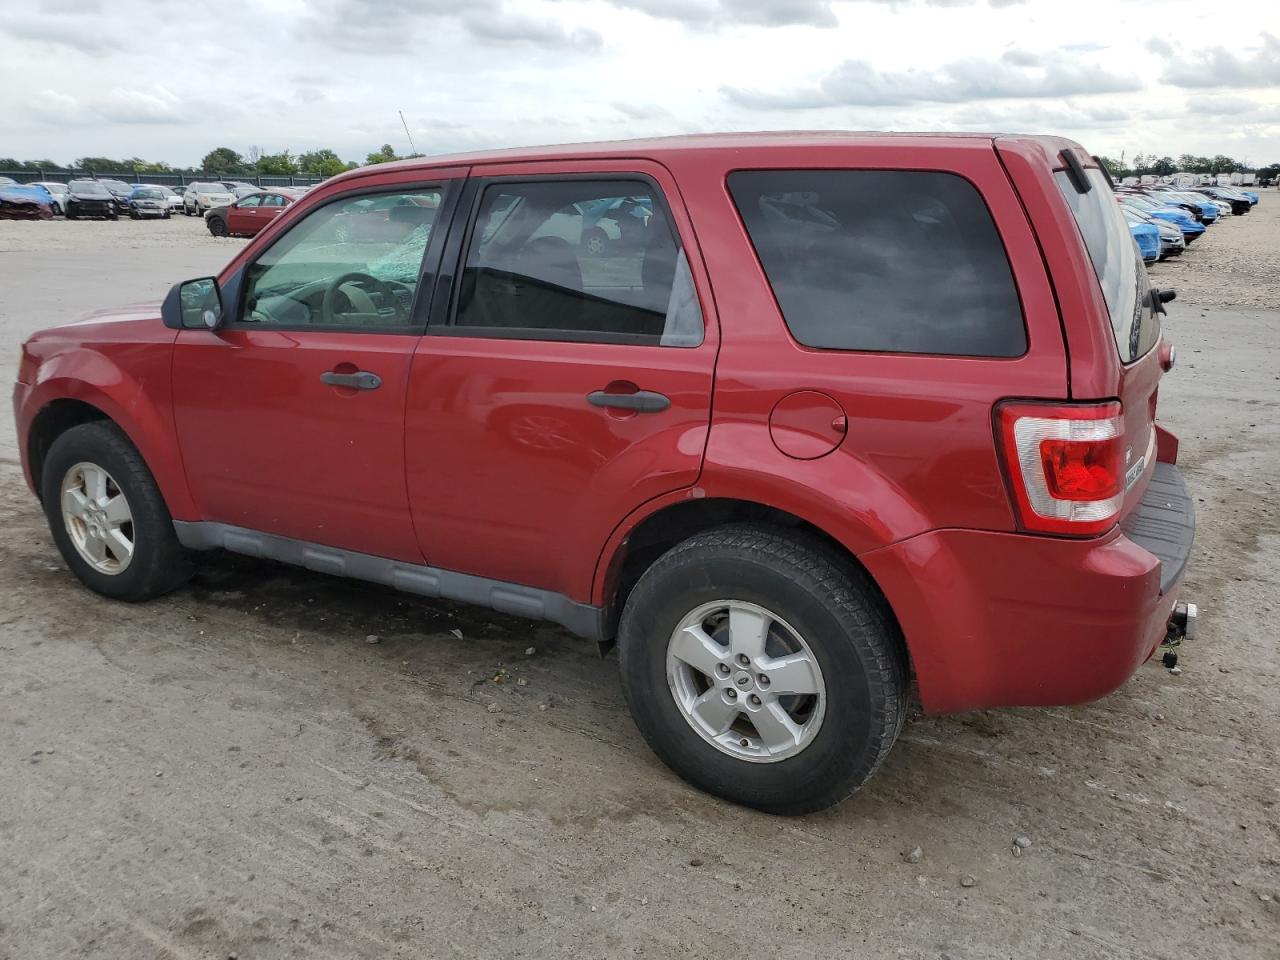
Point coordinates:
[(170, 81)]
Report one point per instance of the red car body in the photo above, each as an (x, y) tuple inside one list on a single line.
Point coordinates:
[(479, 457), (248, 216)]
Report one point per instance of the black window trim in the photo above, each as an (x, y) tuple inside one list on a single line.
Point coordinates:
[(428, 269), (444, 301), (969, 357)]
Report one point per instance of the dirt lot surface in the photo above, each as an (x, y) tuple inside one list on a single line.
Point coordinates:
[(234, 770)]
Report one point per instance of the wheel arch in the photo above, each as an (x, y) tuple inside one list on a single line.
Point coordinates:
[(60, 403), (648, 534)]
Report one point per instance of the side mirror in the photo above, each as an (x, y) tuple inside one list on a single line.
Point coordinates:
[(193, 305), (1160, 297)]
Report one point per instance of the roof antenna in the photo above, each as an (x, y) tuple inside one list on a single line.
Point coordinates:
[(412, 149)]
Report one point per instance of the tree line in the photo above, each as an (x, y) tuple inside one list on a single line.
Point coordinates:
[(222, 162), (1150, 164)]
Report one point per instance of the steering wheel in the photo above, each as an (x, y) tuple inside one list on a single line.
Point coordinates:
[(359, 286)]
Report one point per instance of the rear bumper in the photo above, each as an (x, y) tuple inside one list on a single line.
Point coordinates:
[(1006, 619)]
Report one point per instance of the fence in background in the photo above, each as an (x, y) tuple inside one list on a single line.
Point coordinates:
[(162, 179)]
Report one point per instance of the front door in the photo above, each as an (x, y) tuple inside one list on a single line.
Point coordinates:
[(242, 216), (568, 378), (291, 417)]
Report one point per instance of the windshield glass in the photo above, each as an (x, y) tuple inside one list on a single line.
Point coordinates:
[(1117, 263), (86, 186), (116, 186), (147, 195), (208, 187)]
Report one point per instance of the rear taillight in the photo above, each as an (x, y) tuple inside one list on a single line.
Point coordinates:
[(1065, 463)]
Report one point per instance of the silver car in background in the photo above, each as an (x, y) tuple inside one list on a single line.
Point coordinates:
[(201, 197)]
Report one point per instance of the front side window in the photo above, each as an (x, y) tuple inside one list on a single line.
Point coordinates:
[(353, 263), (250, 202), (882, 260), (577, 260)]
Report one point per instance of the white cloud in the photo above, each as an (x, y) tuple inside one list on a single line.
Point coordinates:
[(301, 74)]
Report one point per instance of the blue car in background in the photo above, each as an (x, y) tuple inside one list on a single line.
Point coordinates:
[(1208, 209), (1147, 236), (1175, 215)]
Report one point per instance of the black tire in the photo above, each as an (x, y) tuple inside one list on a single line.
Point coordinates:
[(113, 216), (133, 215), (57, 210), (159, 563), (167, 214), (831, 604), (217, 226), (73, 216)]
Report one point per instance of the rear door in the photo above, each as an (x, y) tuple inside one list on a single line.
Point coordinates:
[(563, 381)]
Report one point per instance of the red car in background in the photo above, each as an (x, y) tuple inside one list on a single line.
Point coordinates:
[(247, 216)]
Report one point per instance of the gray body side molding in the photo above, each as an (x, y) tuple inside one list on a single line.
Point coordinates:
[(581, 618)]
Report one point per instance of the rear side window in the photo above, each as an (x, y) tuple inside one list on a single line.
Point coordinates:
[(577, 260), (1116, 261), (884, 261)]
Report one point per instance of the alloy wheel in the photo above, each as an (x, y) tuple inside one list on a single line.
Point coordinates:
[(745, 681), (98, 518)]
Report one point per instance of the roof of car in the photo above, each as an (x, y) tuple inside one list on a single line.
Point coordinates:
[(658, 147)]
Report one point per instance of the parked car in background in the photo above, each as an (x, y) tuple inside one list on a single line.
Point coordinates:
[(171, 198), (239, 188), (203, 196), (58, 191), (1147, 237), (789, 516), (1202, 208), (1240, 204), (25, 201), (6, 181), (382, 218), (148, 202), (247, 216), (120, 190), (1171, 243), (1184, 221), (89, 198)]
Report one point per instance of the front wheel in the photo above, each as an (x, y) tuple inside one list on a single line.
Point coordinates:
[(107, 516), (217, 226), (763, 668)]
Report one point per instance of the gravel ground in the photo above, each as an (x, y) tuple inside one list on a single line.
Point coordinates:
[(234, 770)]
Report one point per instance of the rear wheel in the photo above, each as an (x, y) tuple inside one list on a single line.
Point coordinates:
[(763, 668), (595, 242), (107, 516)]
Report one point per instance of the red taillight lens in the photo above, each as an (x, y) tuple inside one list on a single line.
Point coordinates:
[(1066, 465), (1083, 470)]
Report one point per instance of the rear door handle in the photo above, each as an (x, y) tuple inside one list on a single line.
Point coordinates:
[(642, 401), (360, 380)]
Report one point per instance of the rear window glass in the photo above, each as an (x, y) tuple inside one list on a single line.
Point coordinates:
[(1116, 261), (885, 261)]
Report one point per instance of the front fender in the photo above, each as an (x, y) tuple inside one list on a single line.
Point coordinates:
[(136, 398)]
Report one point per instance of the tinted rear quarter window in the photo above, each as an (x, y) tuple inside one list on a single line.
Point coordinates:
[(883, 261), (1116, 261)]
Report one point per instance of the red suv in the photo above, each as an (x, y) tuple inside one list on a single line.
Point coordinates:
[(834, 410)]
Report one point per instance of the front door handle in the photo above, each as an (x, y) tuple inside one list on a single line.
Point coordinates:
[(360, 380), (642, 401)]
